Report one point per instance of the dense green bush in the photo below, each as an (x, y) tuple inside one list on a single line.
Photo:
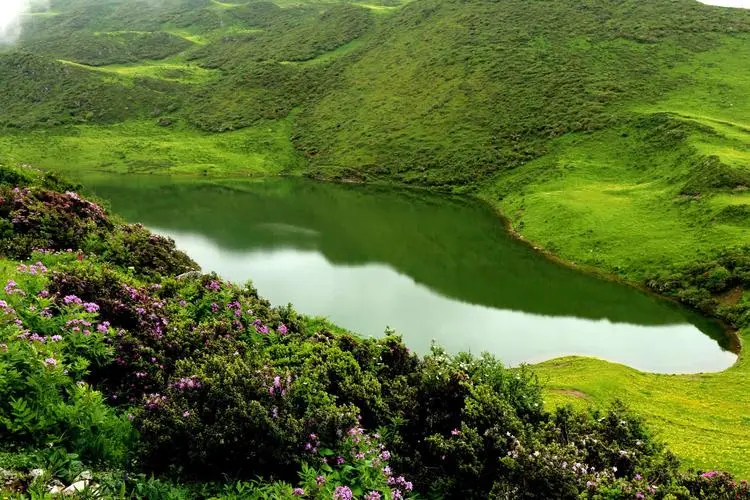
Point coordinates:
[(718, 285)]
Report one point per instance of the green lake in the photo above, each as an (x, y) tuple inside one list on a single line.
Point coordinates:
[(430, 267)]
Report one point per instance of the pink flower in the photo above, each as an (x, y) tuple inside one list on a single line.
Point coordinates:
[(72, 299), (298, 492), (51, 361), (343, 493), (455, 432), (90, 307)]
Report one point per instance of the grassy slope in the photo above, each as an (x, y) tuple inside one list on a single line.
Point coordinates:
[(605, 213), (550, 122), (144, 147)]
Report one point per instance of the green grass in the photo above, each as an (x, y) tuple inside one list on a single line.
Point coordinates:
[(144, 147), (705, 418), (173, 70)]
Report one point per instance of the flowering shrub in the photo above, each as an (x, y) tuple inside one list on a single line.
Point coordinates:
[(47, 347), (33, 216)]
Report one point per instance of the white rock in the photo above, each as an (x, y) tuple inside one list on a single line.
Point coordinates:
[(84, 476), (76, 487), (35, 473), (55, 490)]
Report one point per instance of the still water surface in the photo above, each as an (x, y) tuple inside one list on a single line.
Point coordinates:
[(432, 268)]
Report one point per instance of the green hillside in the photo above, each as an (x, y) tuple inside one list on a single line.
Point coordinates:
[(613, 134)]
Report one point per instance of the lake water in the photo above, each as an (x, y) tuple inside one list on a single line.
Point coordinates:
[(432, 268)]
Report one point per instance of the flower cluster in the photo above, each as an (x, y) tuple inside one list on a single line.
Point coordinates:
[(32, 269), (279, 386), (155, 400), (311, 446), (260, 327), (11, 288), (191, 382)]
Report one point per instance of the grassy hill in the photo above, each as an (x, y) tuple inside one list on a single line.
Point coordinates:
[(612, 133)]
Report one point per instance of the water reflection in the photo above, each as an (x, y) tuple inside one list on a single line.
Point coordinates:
[(430, 267)]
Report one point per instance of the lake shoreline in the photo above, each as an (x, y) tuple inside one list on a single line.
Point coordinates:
[(731, 335)]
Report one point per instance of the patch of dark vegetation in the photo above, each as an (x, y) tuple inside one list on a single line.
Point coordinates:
[(737, 215), (709, 173), (42, 92), (704, 284), (297, 36), (110, 48)]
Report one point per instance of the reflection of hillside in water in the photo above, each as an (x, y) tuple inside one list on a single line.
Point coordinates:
[(455, 247), (367, 298)]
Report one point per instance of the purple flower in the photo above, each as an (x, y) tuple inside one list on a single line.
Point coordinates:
[(640, 495), (214, 307), (103, 327), (282, 329), (191, 382), (343, 493), (43, 294), (90, 307), (396, 495), (387, 471), (213, 285), (72, 299), (339, 460), (710, 474), (373, 495), (185, 413), (51, 361), (637, 477), (56, 338), (320, 480), (385, 455), (455, 432), (11, 288), (298, 492)]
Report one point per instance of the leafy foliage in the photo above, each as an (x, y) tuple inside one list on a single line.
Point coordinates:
[(717, 286)]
